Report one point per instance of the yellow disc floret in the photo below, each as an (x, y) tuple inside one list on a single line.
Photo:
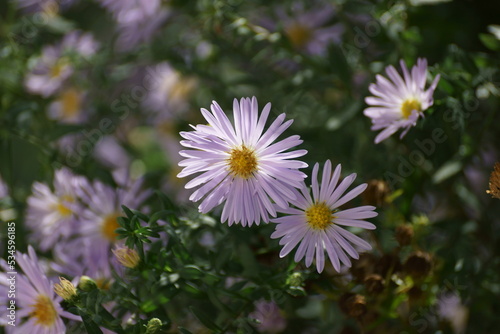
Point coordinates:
[(298, 34), (408, 106), (319, 216), (242, 162), (43, 311), (109, 225)]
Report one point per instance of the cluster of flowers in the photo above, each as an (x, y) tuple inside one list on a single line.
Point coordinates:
[(76, 221), (255, 177)]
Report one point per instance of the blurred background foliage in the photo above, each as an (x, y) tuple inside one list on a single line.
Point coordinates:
[(221, 50)]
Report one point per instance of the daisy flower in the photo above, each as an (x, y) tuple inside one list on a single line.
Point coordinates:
[(53, 215), (398, 102), (68, 108), (239, 163), (38, 307), (316, 222)]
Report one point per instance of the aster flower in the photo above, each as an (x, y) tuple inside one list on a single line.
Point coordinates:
[(99, 219), (316, 222), (269, 317), (38, 307), (239, 164), (170, 89), (399, 103), (53, 215), (68, 107), (55, 64), (137, 21), (308, 30)]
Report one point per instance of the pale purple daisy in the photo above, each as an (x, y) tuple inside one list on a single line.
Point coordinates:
[(398, 102), (170, 90), (38, 307), (316, 222), (137, 21), (99, 219), (69, 107), (269, 317), (53, 215), (56, 63), (239, 163)]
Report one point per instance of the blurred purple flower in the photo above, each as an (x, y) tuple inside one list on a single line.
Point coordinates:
[(4, 189), (69, 107), (308, 30), (53, 215), (48, 7), (170, 91), (451, 309), (269, 317), (55, 65), (137, 21)]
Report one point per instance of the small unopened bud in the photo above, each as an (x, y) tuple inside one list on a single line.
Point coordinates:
[(495, 182), (154, 326), (66, 290), (374, 284), (352, 305), (404, 234), (295, 279), (376, 193), (127, 257), (418, 265), (87, 284)]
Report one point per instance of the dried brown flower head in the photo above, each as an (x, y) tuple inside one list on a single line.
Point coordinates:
[(495, 182)]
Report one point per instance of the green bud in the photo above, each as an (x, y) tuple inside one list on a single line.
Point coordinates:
[(154, 326), (87, 284)]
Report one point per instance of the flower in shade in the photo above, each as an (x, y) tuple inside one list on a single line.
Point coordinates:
[(239, 164), (399, 102), (451, 309), (38, 307), (315, 224), (48, 7), (68, 107), (268, 316), (53, 215)]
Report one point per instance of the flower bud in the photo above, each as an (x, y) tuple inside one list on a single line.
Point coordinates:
[(127, 257), (374, 284), (352, 305), (153, 326), (418, 265), (66, 290), (494, 190), (87, 284), (376, 193), (404, 234)]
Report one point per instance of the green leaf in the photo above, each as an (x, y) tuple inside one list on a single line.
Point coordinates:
[(90, 326), (205, 319), (446, 171), (490, 41), (190, 272), (183, 330)]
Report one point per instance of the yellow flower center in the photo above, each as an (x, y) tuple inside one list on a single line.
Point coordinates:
[(103, 283), (62, 208), (109, 226), (408, 106), (298, 34), (182, 88), (43, 311), (242, 162), (319, 216), (58, 68), (71, 100)]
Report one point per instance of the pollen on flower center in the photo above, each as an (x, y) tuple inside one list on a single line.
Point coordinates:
[(298, 34), (408, 106), (62, 208), (242, 162), (109, 225), (319, 216), (43, 311)]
